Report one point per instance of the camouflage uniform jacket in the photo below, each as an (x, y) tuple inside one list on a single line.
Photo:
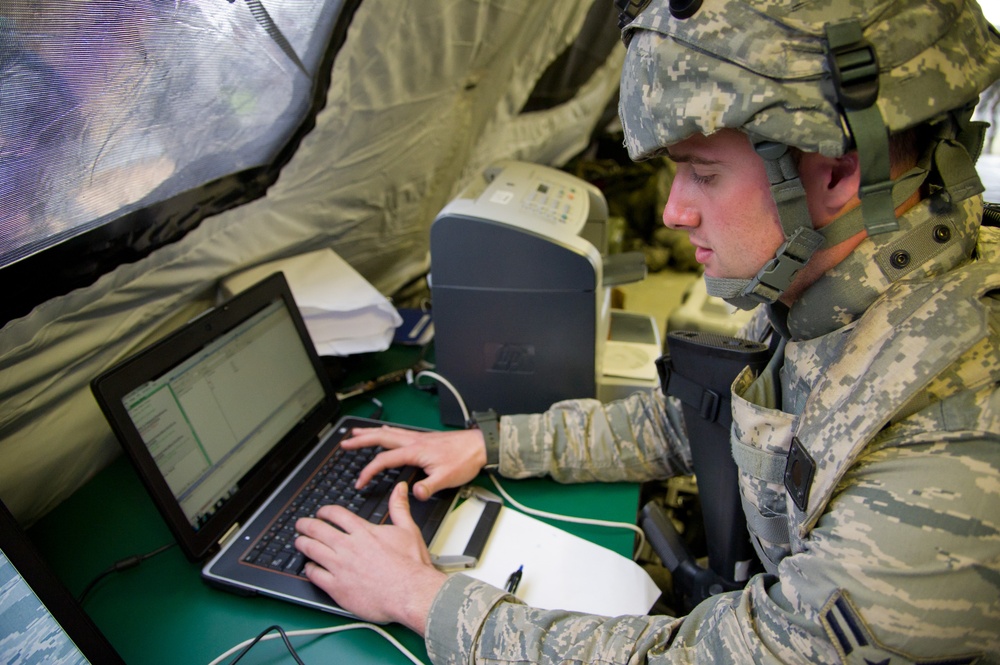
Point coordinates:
[(890, 384)]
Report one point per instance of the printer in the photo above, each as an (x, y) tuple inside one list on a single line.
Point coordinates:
[(520, 285)]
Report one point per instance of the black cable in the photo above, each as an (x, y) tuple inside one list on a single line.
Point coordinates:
[(123, 564), (257, 639), (991, 214)]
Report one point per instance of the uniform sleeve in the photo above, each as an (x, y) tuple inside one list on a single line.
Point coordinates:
[(474, 623), (494, 627), (903, 567), (635, 439)]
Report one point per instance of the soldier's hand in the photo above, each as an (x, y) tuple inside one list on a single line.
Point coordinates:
[(450, 459), (378, 572)]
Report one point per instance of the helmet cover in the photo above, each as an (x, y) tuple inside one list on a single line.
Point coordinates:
[(761, 66)]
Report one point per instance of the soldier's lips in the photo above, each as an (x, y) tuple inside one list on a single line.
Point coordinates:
[(702, 255)]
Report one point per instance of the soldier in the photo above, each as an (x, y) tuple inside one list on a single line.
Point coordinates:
[(826, 172)]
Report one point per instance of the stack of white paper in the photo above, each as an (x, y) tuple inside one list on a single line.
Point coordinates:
[(343, 312)]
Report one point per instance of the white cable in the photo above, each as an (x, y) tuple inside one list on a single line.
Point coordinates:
[(326, 631), (449, 386), (569, 518), (522, 507)]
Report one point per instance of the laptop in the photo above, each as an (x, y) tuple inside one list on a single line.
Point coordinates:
[(40, 622), (227, 421)]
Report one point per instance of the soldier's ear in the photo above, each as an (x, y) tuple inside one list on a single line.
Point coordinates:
[(831, 183)]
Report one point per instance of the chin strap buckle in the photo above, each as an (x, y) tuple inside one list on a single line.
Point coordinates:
[(777, 274)]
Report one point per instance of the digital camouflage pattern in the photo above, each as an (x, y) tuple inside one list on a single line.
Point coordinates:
[(900, 564), (887, 385), (760, 66)]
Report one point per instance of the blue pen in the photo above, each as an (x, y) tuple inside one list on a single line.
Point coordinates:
[(514, 580)]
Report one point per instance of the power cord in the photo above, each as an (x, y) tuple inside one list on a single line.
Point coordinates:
[(264, 636), (446, 383), (118, 566), (509, 498), (569, 518)]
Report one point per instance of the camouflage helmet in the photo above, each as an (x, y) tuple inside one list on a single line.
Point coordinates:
[(762, 66), (823, 77)]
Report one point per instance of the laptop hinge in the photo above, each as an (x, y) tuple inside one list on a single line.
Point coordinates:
[(323, 433), (230, 532)]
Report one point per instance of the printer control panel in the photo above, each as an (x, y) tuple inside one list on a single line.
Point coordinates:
[(537, 199), (551, 201)]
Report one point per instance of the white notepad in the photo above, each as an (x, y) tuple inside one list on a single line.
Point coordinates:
[(559, 570)]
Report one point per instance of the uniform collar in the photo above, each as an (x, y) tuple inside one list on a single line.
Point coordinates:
[(847, 290)]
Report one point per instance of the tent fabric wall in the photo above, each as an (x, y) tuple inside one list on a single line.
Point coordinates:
[(423, 95)]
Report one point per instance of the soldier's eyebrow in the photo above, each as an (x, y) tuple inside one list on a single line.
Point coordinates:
[(682, 157), (690, 159)]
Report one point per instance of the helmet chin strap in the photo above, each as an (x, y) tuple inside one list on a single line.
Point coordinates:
[(854, 67), (802, 240), (777, 275), (774, 278), (731, 290)]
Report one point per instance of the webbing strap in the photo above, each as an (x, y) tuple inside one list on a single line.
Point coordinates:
[(854, 67), (786, 186), (875, 190), (957, 170), (772, 529), (853, 221), (761, 464)]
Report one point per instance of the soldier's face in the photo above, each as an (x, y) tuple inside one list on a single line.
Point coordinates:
[(722, 198)]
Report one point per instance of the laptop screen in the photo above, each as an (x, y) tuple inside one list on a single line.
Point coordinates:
[(214, 416)]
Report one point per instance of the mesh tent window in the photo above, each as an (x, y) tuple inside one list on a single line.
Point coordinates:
[(123, 123)]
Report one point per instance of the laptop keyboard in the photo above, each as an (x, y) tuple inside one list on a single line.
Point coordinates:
[(332, 484)]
